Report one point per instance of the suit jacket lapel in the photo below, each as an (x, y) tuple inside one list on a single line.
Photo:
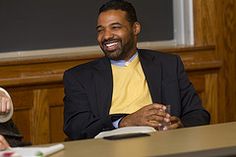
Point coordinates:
[(103, 85), (153, 72)]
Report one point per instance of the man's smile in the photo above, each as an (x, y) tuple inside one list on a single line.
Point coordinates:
[(111, 45)]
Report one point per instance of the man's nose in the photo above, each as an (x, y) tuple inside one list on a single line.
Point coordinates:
[(108, 34)]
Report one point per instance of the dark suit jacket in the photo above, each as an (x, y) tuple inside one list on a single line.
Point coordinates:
[(88, 93), (10, 132)]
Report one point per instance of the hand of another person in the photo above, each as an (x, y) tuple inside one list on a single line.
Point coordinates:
[(3, 143), (5, 103), (150, 115)]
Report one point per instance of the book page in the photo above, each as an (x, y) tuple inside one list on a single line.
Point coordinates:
[(126, 130)]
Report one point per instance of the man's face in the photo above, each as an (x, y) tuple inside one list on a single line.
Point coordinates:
[(115, 35)]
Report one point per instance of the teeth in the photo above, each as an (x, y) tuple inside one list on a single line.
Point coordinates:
[(110, 44)]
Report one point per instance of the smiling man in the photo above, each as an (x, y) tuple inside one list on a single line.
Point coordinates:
[(129, 86), (117, 36)]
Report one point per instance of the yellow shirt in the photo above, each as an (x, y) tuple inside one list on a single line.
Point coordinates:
[(130, 89)]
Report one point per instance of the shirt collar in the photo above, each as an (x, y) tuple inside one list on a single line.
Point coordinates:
[(123, 63)]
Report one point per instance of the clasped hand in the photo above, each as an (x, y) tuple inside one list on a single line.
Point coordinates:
[(152, 115), (5, 106)]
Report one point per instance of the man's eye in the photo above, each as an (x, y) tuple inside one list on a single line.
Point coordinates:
[(99, 30), (116, 27)]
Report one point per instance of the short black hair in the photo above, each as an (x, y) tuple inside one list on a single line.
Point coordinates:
[(120, 5)]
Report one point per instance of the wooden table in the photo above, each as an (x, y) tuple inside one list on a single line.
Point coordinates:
[(211, 140)]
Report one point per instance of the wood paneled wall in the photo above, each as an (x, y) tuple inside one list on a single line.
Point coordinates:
[(37, 90), (35, 84), (215, 24)]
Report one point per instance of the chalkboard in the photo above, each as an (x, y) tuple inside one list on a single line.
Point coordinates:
[(46, 24)]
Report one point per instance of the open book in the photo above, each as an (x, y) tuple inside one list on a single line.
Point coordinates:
[(31, 151), (129, 131)]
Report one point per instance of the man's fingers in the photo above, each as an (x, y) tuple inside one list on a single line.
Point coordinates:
[(154, 124), (158, 106), (154, 106), (173, 126), (150, 115), (174, 119), (155, 118), (175, 122)]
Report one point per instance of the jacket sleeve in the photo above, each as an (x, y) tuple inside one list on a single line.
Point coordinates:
[(193, 113), (80, 121)]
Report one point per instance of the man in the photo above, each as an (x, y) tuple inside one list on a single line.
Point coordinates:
[(129, 86), (9, 134)]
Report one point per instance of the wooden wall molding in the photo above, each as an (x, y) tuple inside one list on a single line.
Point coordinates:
[(45, 70)]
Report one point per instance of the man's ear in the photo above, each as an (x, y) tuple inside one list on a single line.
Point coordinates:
[(137, 28)]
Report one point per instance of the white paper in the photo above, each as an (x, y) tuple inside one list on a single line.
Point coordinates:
[(33, 151), (126, 130)]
